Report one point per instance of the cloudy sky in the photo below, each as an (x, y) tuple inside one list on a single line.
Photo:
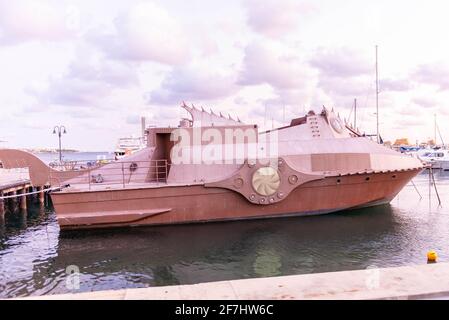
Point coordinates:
[(97, 66)]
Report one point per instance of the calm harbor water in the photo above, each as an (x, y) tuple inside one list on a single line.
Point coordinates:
[(74, 156), (34, 254)]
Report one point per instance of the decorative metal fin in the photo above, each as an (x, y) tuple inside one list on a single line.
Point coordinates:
[(185, 106)]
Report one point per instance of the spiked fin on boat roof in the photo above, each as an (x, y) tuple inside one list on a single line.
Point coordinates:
[(203, 118)]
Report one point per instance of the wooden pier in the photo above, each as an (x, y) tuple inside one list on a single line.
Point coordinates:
[(16, 189)]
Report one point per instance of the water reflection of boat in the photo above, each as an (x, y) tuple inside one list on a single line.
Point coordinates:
[(180, 255)]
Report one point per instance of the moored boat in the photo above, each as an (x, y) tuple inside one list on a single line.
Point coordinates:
[(129, 145), (215, 168), (436, 158)]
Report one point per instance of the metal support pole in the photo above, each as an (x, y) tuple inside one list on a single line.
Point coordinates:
[(377, 99), (435, 186), (414, 185), (59, 130), (60, 148), (435, 129)]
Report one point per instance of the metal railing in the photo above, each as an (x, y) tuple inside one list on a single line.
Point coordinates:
[(114, 173), (71, 165)]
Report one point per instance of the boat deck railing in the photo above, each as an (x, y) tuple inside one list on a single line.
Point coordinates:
[(71, 165), (121, 173)]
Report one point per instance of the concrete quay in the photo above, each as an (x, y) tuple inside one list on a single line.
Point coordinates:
[(427, 281)]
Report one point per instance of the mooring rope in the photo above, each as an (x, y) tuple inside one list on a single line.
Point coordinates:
[(30, 193)]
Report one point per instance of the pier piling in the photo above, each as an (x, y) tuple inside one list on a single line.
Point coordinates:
[(16, 191), (2, 207), (23, 199), (12, 201), (41, 195)]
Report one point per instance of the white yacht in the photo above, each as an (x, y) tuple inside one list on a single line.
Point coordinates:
[(438, 158), (128, 146)]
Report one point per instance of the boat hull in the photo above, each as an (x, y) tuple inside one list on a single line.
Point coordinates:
[(192, 204)]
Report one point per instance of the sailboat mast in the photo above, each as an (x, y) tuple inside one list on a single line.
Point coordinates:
[(355, 113), (435, 128), (377, 99)]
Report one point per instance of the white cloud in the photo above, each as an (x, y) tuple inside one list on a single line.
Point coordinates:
[(341, 62), (263, 64), (293, 81), (193, 84), (425, 101), (410, 110), (237, 57), (275, 18), (87, 81), (435, 74), (146, 32), (24, 20), (352, 87), (395, 85), (120, 74)]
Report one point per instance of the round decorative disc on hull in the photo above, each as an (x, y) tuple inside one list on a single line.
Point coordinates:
[(262, 184), (266, 181)]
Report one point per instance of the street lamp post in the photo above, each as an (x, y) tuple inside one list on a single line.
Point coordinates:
[(59, 130)]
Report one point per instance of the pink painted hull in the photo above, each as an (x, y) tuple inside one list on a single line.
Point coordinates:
[(191, 204)]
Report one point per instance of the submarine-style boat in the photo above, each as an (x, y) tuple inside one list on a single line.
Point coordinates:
[(216, 168)]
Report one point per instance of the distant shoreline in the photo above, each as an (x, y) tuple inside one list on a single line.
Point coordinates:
[(63, 151)]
